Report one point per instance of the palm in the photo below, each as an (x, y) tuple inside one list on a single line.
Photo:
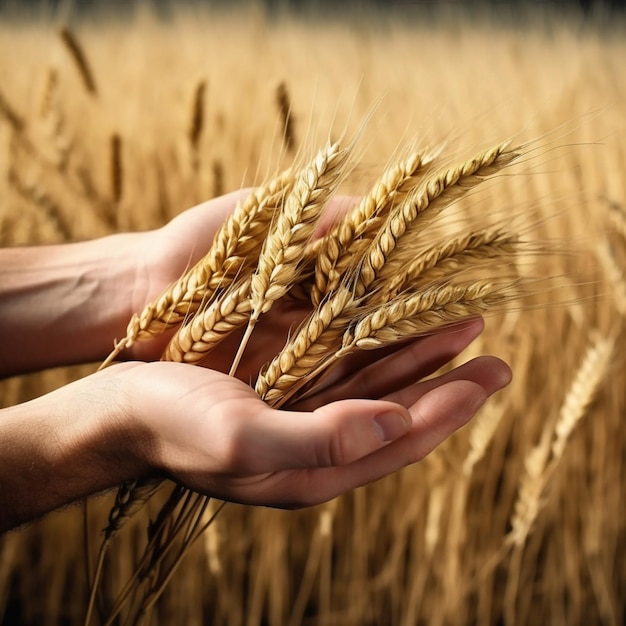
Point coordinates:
[(235, 447)]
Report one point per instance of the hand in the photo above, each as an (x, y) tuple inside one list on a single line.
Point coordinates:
[(214, 434)]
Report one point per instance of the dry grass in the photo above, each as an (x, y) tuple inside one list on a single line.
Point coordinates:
[(433, 543)]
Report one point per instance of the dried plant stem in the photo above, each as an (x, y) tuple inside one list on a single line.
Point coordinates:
[(337, 250), (280, 260), (194, 532), (432, 196), (77, 53), (131, 496)]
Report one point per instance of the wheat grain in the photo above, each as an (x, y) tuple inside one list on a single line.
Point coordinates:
[(306, 350), (444, 260), (294, 225), (590, 375), (233, 246), (542, 461), (414, 314), (280, 260)]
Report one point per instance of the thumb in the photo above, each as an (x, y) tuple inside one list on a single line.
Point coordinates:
[(335, 434)]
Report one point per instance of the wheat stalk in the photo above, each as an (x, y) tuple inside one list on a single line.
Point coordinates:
[(425, 203), (234, 245), (337, 250), (279, 264), (77, 53)]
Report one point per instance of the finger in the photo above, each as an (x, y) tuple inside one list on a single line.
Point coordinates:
[(435, 417), (266, 440), (489, 372), (404, 367)]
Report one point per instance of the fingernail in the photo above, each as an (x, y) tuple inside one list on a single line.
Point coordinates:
[(390, 426)]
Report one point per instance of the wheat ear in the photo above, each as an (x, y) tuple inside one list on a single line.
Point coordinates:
[(233, 246), (338, 248), (542, 461), (308, 348), (414, 314), (15, 121), (79, 57), (444, 260), (284, 107), (425, 203), (196, 122), (193, 341), (130, 497), (280, 260), (116, 168)]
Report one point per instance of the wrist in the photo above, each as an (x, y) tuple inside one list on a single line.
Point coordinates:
[(73, 442)]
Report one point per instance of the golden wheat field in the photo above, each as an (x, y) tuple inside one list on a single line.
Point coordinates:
[(122, 123)]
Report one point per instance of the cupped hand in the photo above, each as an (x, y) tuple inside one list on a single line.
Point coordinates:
[(215, 435)]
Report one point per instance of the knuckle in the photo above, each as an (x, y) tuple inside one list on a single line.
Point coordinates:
[(340, 448)]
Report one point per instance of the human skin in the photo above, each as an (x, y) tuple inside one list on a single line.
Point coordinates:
[(65, 304)]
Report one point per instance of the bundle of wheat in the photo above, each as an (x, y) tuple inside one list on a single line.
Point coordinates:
[(372, 283)]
